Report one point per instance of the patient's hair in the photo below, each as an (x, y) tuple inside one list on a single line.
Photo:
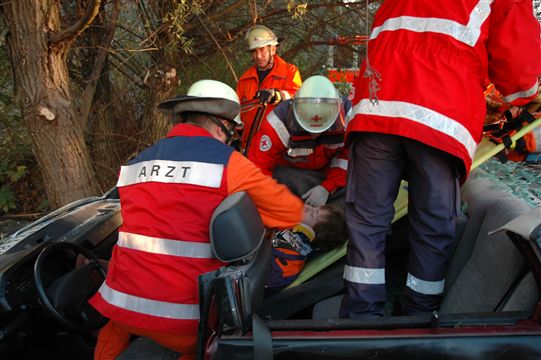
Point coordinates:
[(332, 230)]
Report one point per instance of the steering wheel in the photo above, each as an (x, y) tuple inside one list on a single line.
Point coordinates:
[(66, 298)]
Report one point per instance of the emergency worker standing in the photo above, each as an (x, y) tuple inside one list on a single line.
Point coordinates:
[(168, 194), (302, 141), (270, 78), (425, 126)]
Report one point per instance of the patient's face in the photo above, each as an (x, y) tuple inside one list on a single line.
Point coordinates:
[(312, 215)]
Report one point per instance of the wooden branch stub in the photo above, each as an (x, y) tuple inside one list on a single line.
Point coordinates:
[(46, 113)]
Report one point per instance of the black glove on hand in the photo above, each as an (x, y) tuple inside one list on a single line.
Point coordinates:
[(269, 96)]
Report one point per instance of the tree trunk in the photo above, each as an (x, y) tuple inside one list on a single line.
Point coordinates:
[(42, 90), (162, 85)]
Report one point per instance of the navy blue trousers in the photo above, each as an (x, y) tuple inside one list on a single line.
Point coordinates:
[(377, 164)]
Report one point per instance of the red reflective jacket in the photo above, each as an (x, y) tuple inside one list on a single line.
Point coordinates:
[(433, 60), (272, 146), (168, 194)]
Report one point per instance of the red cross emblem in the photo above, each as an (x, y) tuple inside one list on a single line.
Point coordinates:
[(265, 143), (316, 118)]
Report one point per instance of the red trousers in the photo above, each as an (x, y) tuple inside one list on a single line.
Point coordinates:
[(114, 338)]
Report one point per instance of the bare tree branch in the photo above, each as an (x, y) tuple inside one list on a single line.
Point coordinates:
[(92, 9), (130, 77), (90, 89), (220, 48)]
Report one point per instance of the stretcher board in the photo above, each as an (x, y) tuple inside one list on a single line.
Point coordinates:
[(485, 150)]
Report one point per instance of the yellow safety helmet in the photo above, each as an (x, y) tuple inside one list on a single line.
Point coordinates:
[(316, 104), (259, 36)]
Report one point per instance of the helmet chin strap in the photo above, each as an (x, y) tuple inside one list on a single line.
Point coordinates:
[(229, 133)]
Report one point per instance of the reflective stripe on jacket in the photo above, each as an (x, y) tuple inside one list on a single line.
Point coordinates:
[(168, 194), (283, 76), (434, 63)]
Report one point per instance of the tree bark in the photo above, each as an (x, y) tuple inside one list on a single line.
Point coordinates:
[(42, 90), (161, 86)]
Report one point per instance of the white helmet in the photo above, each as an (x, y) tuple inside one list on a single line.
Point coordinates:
[(316, 104), (259, 36), (206, 96)]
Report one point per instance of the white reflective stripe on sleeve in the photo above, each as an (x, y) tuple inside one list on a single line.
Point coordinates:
[(334, 146), (148, 306), (523, 94), (364, 275), (468, 34), (161, 246), (279, 128), (425, 287), (295, 152), (339, 163), (177, 172), (422, 115), (285, 95)]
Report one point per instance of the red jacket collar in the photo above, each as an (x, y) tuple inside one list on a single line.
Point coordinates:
[(188, 130)]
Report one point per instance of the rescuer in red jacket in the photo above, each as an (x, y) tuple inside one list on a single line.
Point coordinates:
[(429, 60), (302, 142), (270, 78), (168, 194)]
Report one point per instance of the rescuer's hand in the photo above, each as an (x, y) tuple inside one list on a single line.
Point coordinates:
[(269, 96), (494, 114), (316, 196), (534, 105)]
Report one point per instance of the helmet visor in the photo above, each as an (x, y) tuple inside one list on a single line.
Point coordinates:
[(316, 115)]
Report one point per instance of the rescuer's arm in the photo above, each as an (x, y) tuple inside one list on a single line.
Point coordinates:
[(278, 207), (266, 148), (514, 57), (293, 82), (336, 176)]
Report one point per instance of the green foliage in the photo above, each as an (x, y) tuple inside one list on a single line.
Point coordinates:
[(10, 173), (198, 38), (343, 88), (177, 18), (7, 200), (14, 146), (298, 10)]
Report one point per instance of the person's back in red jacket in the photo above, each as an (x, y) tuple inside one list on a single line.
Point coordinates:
[(418, 115), (168, 194)]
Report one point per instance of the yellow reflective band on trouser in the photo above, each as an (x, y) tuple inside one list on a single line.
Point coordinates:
[(425, 287), (364, 275)]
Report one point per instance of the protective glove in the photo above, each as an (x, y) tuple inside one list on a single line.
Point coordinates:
[(269, 96), (493, 114), (316, 196)]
